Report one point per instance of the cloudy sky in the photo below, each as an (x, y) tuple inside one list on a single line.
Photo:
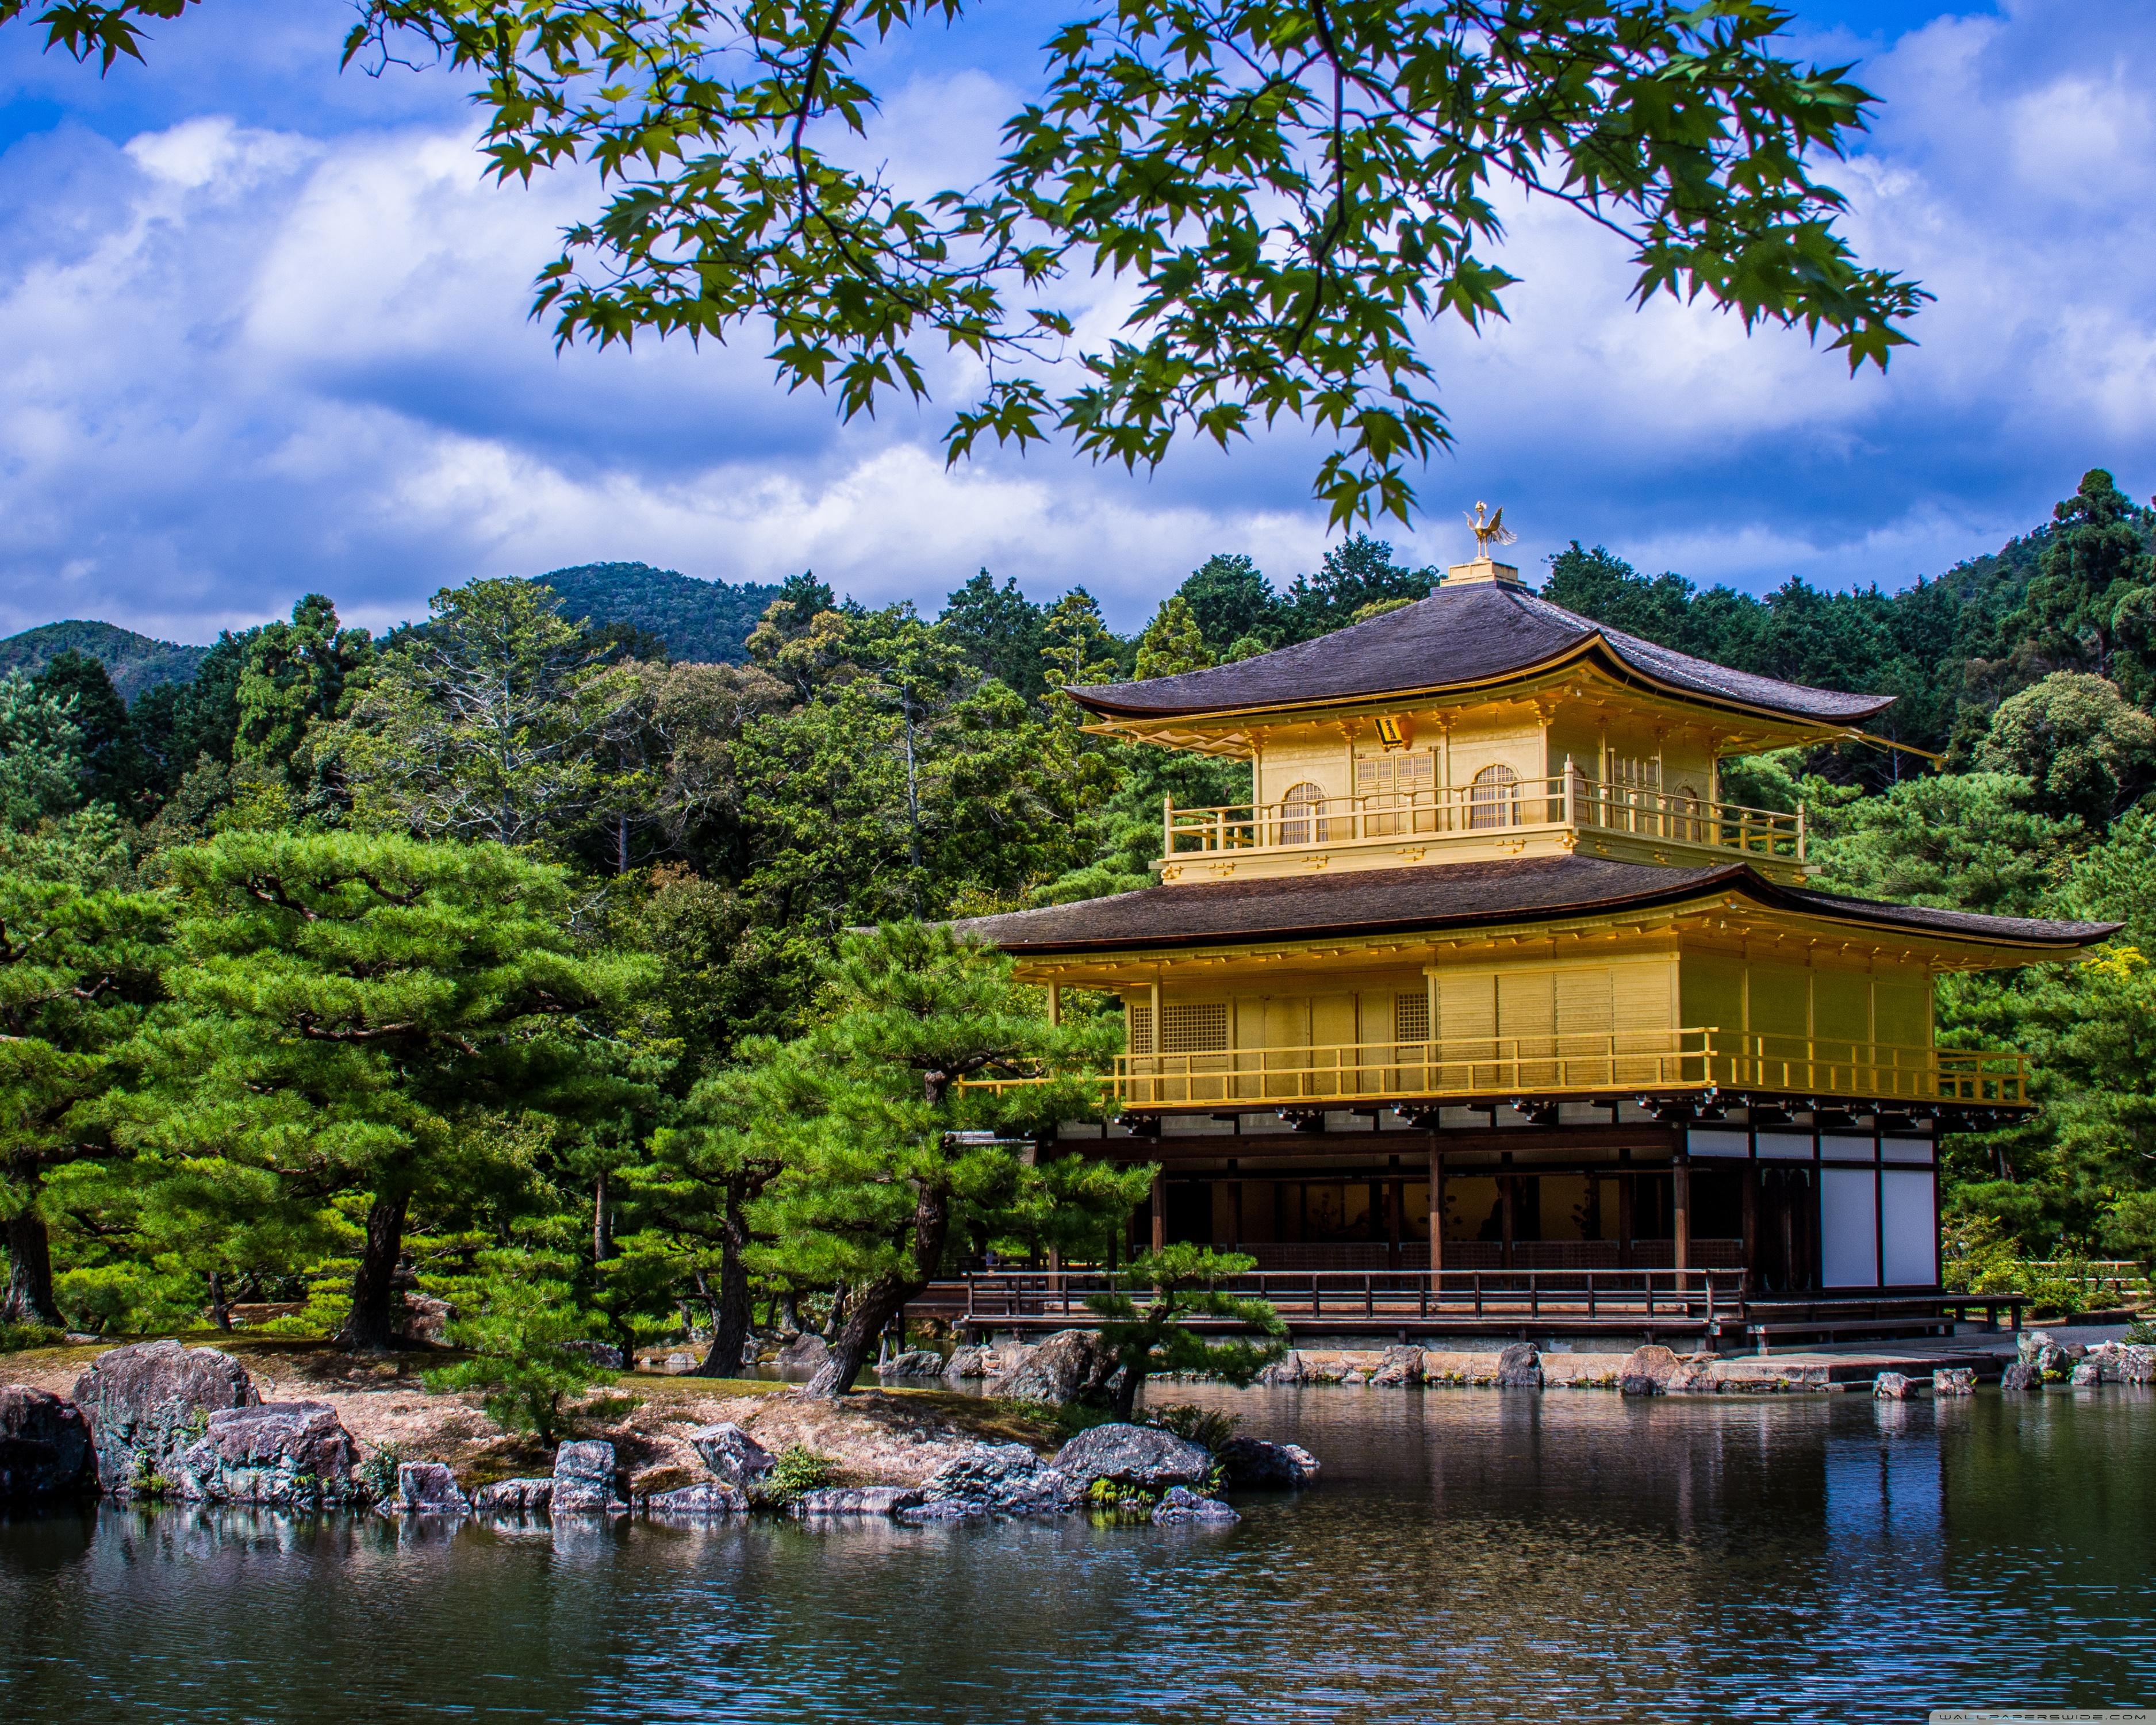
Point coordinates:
[(263, 332)]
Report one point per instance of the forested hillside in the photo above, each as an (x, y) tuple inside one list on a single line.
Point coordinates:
[(703, 622), (134, 662), (507, 954)]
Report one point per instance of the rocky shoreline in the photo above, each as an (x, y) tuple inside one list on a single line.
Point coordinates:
[(161, 1421)]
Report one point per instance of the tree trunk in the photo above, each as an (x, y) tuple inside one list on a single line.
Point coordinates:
[(29, 1270), (220, 1313), (1126, 1393), (601, 1219), (369, 1328), (882, 1300), (790, 1311), (730, 1324)]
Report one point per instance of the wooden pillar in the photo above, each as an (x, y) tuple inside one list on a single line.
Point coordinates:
[(1055, 1003), (1159, 1199), (1397, 1203), (1751, 1172), (1626, 1195), (1235, 1207), (1374, 1213), (1681, 1211), (1436, 1204)]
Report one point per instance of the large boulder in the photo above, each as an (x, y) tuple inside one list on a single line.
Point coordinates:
[(513, 1497), (993, 1480), (732, 1453), (1401, 1367), (425, 1488), (916, 1363), (1177, 1504), (273, 1452), (1893, 1387), (2088, 1373), (697, 1503), (2122, 1361), (1068, 1363), (1288, 1368), (1133, 1456), (148, 1402), (1520, 1366), (45, 1448), (1647, 1371), (2022, 1375), (970, 1362), (809, 1352), (832, 1500), (1248, 1464), (1954, 1380), (583, 1481)]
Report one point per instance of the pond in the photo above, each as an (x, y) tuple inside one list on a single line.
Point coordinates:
[(1472, 1555)]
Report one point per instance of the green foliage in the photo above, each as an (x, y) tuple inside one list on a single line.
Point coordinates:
[(1212, 1427), (1172, 642), (1000, 631), (40, 753), (15, 1338), (1155, 1335), (2084, 753), (519, 1318), (699, 622), (1962, 842), (796, 1469), (136, 663)]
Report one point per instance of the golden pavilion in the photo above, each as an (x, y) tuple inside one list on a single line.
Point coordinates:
[(1489, 974)]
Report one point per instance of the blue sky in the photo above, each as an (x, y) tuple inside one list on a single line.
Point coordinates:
[(263, 332)]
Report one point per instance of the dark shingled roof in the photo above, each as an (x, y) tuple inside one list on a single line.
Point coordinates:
[(1469, 634), (1439, 896)]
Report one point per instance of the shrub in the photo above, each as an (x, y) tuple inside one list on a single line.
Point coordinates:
[(15, 1338), (798, 1468), (378, 1471), (523, 1329), (1207, 1426)]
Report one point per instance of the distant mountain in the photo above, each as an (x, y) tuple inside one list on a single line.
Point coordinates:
[(701, 622), (135, 662)]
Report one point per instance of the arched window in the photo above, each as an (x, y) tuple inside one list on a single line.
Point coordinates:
[(1490, 798), (1689, 808), (1300, 809)]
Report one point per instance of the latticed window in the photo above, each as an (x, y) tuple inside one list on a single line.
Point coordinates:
[(1196, 1029), (1411, 1018), (1393, 783), (1141, 1037), (1490, 798), (1299, 811)]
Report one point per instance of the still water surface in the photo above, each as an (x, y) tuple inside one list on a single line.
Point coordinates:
[(1472, 1555)]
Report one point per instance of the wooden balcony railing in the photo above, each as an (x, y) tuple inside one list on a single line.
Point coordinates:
[(1582, 1065), (1562, 801)]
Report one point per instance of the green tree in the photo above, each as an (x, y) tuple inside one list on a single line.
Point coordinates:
[(1172, 642), (1156, 1336), (998, 629), (40, 753), (1287, 195), (892, 1154), (1964, 843), (79, 958), (295, 679), (2095, 560), (491, 722), (2085, 752), (359, 1011), (519, 1318), (1232, 602), (1357, 573), (113, 767), (1076, 651)]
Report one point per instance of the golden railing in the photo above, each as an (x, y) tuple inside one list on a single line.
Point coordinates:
[(1562, 800), (1573, 1065)]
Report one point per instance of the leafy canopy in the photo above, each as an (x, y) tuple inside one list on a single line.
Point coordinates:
[(1285, 196)]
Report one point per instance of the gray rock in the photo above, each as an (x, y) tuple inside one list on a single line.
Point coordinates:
[(1893, 1387), (1400, 1368), (2032, 1344), (915, 1362), (1068, 1362), (855, 1501), (45, 1448), (610, 1356), (2122, 1361), (970, 1362), (1954, 1380), (993, 1480), (513, 1497), (1133, 1456), (273, 1452), (2088, 1373), (583, 1481), (1648, 1371), (1519, 1367), (731, 1454), (705, 1502), (1178, 1505), (1248, 1464), (2022, 1375), (147, 1404), (425, 1488), (427, 1319), (809, 1351), (1288, 1368)]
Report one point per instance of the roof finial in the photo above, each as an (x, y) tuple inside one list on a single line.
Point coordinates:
[(1490, 530)]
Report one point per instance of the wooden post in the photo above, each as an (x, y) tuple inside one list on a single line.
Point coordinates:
[(1159, 1212), (1055, 1002), (1397, 1197), (1235, 1212), (1504, 1194), (1624, 1197), (1752, 1222), (1681, 1211), (1436, 1204), (1166, 825)]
